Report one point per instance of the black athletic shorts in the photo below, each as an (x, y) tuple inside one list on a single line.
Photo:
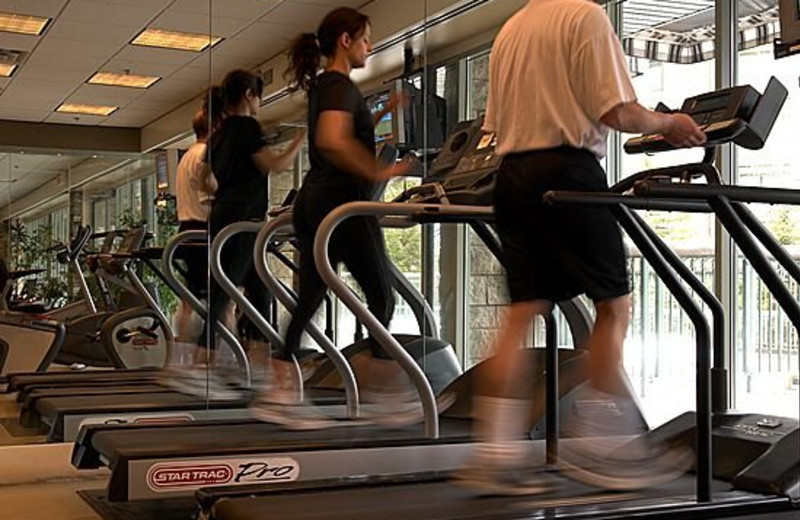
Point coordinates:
[(557, 252), (196, 259)]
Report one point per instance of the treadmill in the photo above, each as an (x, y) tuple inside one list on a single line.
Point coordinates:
[(64, 410), (64, 402), (748, 466), (164, 462), (134, 291)]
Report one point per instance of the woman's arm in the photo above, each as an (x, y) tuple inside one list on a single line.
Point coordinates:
[(268, 161), (335, 141), (394, 102)]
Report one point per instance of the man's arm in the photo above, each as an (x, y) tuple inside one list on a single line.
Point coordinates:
[(678, 129)]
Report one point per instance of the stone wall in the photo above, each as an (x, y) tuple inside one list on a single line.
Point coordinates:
[(487, 297)]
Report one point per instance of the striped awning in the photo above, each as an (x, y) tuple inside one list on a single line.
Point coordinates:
[(682, 31)]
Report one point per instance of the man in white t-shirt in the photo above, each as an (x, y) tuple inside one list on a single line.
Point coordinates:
[(194, 191), (558, 80)]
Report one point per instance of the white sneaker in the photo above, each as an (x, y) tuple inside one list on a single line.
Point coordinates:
[(199, 381), (281, 400), (600, 455), (487, 475), (297, 416), (396, 399)]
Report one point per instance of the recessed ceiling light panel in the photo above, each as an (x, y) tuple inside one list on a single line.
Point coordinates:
[(123, 80), (6, 70), (175, 40), (22, 24), (93, 110)]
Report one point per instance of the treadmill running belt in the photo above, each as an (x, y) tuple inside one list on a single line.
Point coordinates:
[(444, 501), (202, 439), (51, 407)]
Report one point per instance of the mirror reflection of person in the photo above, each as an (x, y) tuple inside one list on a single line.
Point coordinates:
[(193, 194), (241, 161), (558, 81)]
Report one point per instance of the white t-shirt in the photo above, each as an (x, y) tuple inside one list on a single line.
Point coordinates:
[(192, 198), (555, 69)]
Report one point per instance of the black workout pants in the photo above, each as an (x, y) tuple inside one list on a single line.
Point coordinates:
[(357, 242), (237, 263)]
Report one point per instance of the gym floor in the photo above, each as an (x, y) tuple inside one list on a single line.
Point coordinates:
[(38, 482)]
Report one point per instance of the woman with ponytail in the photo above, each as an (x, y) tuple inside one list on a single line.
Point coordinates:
[(241, 162), (343, 169)]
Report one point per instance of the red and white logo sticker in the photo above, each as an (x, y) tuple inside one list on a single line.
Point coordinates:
[(164, 477), (163, 418), (167, 477)]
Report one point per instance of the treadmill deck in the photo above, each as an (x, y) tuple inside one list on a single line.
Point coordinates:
[(442, 500)]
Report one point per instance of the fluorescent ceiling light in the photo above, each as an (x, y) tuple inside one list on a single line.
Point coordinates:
[(22, 24), (175, 40), (123, 80), (94, 110), (6, 69)]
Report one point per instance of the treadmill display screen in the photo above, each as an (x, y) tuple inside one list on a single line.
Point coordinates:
[(711, 103)]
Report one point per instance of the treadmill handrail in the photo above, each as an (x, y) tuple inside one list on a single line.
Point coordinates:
[(263, 239), (416, 301), (226, 284), (357, 307), (749, 194), (186, 295)]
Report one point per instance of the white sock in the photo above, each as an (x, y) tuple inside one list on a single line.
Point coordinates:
[(501, 424)]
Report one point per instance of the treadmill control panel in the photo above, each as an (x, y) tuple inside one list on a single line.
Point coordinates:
[(737, 115), (761, 428)]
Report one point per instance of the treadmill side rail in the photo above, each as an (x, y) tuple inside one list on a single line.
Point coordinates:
[(146, 479)]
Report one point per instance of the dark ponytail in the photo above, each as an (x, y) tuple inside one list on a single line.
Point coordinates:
[(306, 52), (304, 62)]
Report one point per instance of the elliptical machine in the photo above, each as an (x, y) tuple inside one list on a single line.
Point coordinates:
[(135, 337)]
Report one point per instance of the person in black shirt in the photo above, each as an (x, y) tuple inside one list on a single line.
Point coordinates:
[(343, 169), (241, 161)]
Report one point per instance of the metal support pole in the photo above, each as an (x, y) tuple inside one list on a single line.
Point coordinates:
[(551, 389)]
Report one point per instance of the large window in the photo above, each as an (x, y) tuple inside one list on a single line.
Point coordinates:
[(765, 359)]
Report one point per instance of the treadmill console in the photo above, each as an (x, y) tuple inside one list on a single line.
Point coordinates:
[(738, 115), (458, 142), (465, 170)]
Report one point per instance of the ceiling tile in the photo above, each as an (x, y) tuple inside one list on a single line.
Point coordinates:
[(74, 119), (18, 42), (103, 12), (23, 114), (276, 30), (298, 15), (144, 68), (247, 9), (167, 96), (75, 50), (53, 74), (330, 4), (48, 8), (131, 118), (104, 95), (154, 55), (199, 23), (35, 90), (106, 34)]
